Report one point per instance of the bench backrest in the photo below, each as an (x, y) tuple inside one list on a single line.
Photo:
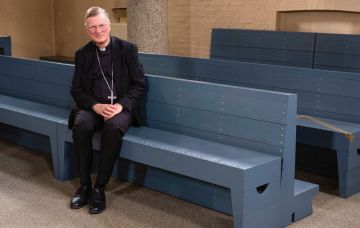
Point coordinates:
[(210, 102), (38, 81), (321, 93), (259, 46), (5, 45), (212, 111), (337, 52)]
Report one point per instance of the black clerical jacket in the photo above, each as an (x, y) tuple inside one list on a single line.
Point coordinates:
[(128, 76)]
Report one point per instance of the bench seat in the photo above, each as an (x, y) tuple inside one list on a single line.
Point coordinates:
[(36, 117), (204, 160), (252, 177), (347, 151)]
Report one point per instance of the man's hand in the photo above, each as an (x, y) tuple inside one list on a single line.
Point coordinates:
[(107, 110), (112, 110)]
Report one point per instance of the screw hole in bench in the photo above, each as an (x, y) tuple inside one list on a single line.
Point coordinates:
[(261, 188)]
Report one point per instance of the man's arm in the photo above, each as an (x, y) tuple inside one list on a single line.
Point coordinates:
[(82, 98), (136, 77)]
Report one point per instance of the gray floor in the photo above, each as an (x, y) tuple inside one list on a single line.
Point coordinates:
[(31, 197)]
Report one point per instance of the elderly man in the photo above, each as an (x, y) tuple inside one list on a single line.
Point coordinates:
[(107, 85)]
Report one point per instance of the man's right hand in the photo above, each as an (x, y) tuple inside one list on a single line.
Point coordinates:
[(98, 108), (106, 110)]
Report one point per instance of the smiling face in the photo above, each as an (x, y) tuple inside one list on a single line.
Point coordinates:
[(98, 29)]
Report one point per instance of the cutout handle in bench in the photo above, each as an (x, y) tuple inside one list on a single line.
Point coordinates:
[(358, 151), (262, 188)]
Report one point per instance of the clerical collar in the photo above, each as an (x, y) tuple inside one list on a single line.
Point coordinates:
[(102, 49)]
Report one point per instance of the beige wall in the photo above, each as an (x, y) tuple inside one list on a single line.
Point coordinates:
[(30, 25), (37, 31), (191, 21), (69, 23)]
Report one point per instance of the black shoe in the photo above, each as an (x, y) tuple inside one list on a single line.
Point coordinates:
[(81, 197), (97, 203)]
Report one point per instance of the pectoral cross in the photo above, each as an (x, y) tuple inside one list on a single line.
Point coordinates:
[(112, 97)]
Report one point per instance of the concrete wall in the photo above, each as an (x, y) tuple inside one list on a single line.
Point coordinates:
[(30, 24), (148, 25)]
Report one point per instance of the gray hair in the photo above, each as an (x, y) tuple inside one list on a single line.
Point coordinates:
[(94, 11)]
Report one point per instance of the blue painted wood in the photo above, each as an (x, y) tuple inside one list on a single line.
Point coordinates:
[(336, 68), (337, 52), (5, 45), (303, 194), (338, 43), (183, 187), (269, 149), (271, 47), (327, 94), (318, 90), (337, 60), (31, 80), (261, 55), (319, 94), (263, 38), (35, 117), (29, 139), (223, 109)]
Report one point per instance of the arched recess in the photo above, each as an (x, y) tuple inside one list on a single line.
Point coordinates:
[(321, 21)]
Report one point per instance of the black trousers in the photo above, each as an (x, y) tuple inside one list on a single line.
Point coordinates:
[(86, 123)]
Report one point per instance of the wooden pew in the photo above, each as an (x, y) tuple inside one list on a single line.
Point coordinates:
[(337, 100), (260, 46), (211, 70), (339, 52), (196, 129), (331, 97)]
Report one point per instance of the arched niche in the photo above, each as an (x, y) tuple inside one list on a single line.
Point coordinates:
[(321, 21)]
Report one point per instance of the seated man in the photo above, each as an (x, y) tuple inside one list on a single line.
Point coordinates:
[(107, 85)]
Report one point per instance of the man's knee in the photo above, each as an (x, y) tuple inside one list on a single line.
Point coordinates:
[(119, 123), (84, 122)]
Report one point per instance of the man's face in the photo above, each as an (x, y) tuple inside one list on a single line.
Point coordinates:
[(98, 29)]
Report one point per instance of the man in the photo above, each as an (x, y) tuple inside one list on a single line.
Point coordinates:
[(107, 85)]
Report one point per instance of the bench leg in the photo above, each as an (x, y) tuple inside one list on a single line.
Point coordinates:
[(342, 172), (64, 161), (264, 217), (54, 156), (343, 158), (237, 202)]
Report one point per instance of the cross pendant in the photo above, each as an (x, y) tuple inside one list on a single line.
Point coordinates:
[(112, 97)]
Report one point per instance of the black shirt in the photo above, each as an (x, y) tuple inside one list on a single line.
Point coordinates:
[(100, 89)]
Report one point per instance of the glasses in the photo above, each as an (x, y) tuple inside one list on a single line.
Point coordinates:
[(102, 27)]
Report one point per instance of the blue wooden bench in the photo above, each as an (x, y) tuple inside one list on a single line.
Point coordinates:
[(200, 130), (30, 100), (335, 100), (197, 69), (5, 45), (331, 97), (340, 52), (337, 52), (260, 46)]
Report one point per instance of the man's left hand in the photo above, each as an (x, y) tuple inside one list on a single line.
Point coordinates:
[(112, 110)]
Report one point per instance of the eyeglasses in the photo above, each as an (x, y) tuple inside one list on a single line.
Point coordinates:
[(102, 27)]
